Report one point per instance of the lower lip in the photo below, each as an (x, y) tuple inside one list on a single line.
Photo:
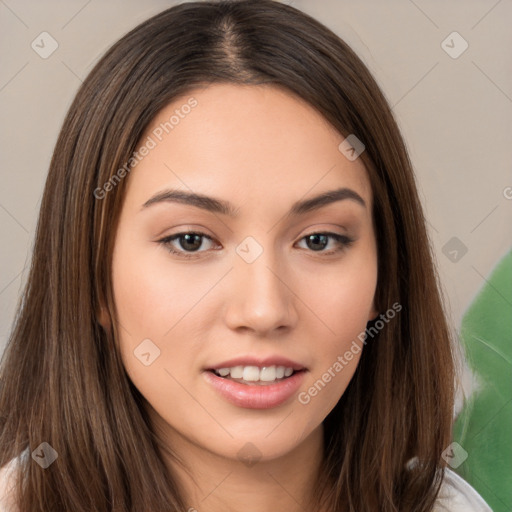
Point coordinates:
[(256, 396)]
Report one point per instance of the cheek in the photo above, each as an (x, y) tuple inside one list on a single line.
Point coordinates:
[(149, 304), (150, 299), (343, 299), (343, 303), (163, 302)]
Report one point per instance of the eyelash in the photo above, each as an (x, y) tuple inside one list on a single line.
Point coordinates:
[(343, 240)]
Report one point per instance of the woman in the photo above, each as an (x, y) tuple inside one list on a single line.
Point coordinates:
[(232, 301)]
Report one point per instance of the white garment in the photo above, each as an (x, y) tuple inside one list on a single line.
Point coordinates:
[(455, 495)]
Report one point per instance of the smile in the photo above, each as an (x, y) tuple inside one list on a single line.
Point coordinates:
[(254, 375), (256, 394)]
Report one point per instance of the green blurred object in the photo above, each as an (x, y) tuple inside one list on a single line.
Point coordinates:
[(484, 426)]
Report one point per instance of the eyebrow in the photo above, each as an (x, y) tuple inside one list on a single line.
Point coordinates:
[(225, 208)]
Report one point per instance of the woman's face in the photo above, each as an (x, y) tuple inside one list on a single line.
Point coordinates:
[(274, 282)]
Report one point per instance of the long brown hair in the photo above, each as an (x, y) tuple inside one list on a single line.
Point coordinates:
[(62, 379)]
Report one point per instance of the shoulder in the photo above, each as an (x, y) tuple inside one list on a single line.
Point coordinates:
[(456, 495), (7, 484)]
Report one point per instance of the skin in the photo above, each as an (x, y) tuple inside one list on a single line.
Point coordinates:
[(262, 149)]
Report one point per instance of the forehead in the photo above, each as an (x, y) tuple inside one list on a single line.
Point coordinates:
[(254, 142)]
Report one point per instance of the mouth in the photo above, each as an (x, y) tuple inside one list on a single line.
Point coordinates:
[(254, 375), (252, 383)]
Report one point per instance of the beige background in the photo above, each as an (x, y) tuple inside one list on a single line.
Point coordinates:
[(456, 114)]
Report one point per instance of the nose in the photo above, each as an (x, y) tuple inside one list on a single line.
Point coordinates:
[(261, 297)]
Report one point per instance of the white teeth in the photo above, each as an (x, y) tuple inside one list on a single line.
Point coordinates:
[(237, 372), (255, 373), (268, 374), (251, 373)]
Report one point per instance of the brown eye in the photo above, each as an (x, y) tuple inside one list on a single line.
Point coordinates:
[(317, 242), (191, 242), (188, 243)]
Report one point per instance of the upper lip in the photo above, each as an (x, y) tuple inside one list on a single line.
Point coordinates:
[(258, 361)]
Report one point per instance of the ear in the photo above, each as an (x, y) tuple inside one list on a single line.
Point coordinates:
[(374, 313), (103, 317)]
